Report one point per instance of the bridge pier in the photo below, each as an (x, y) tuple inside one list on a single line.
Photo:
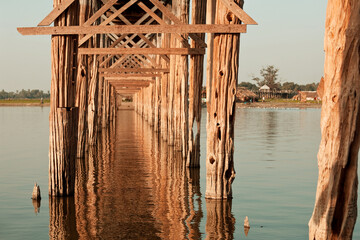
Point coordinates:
[(63, 113)]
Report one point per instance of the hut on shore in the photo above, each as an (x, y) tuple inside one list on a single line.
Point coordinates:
[(245, 95), (304, 96)]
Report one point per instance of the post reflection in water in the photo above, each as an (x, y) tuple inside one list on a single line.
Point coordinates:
[(132, 185), (220, 223), (62, 218)]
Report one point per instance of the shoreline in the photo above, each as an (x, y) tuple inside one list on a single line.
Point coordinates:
[(283, 105), (129, 106), (24, 104)]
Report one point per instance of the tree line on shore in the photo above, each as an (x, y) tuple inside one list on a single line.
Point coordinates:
[(269, 77), (290, 86), (25, 94)]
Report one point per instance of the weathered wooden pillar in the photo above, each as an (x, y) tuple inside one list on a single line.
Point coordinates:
[(63, 113), (221, 108), (196, 80), (165, 43), (93, 103), (335, 209), (82, 83), (184, 85)]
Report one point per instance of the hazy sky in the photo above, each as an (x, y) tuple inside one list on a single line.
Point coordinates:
[(289, 36)]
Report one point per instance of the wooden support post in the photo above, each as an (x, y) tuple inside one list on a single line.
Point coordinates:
[(63, 113), (196, 80), (157, 94), (82, 85), (335, 208), (184, 86), (221, 108), (165, 77), (93, 103)]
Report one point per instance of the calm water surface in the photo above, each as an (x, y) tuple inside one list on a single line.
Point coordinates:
[(133, 186)]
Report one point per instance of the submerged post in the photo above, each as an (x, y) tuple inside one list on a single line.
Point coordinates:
[(220, 171), (335, 209), (63, 113)]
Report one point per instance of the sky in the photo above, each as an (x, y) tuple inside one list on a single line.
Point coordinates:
[(289, 35)]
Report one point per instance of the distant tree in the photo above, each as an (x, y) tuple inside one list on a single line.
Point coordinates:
[(269, 76), (30, 94), (248, 85), (290, 86)]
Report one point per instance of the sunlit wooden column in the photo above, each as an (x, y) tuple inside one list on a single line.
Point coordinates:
[(82, 85), (195, 86), (221, 108), (335, 208), (63, 113)]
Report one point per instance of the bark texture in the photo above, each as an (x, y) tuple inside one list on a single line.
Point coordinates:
[(195, 86), (63, 114), (220, 171), (335, 209)]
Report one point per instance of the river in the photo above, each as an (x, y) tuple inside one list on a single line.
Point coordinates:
[(133, 186)]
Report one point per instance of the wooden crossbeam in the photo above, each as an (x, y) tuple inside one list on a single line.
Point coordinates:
[(142, 70), (129, 29), (56, 12), (130, 75), (177, 21), (127, 78), (143, 51), (122, 81), (100, 12), (112, 17), (129, 85), (239, 12), (162, 22)]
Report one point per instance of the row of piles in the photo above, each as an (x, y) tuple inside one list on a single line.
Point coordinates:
[(82, 103), (173, 102)]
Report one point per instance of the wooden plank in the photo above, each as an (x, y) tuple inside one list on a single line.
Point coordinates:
[(129, 75), (128, 79), (129, 29), (162, 22), (143, 51), (239, 12), (108, 20), (114, 70), (100, 12), (176, 20), (56, 12)]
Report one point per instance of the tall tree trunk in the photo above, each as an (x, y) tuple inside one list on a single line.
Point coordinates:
[(335, 209)]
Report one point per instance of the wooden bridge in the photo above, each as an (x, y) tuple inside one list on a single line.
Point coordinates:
[(154, 50)]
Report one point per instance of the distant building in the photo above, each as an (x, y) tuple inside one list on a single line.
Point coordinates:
[(265, 88), (245, 95), (304, 96)]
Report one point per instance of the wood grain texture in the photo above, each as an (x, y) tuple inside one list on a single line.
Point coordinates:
[(63, 113), (335, 210), (220, 171)]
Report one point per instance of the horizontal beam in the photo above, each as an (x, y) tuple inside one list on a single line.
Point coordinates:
[(129, 86), (127, 79), (130, 82), (130, 75), (142, 51), (134, 70), (129, 29), (56, 12)]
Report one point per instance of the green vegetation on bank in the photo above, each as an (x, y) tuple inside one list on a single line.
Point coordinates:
[(269, 77), (24, 95)]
